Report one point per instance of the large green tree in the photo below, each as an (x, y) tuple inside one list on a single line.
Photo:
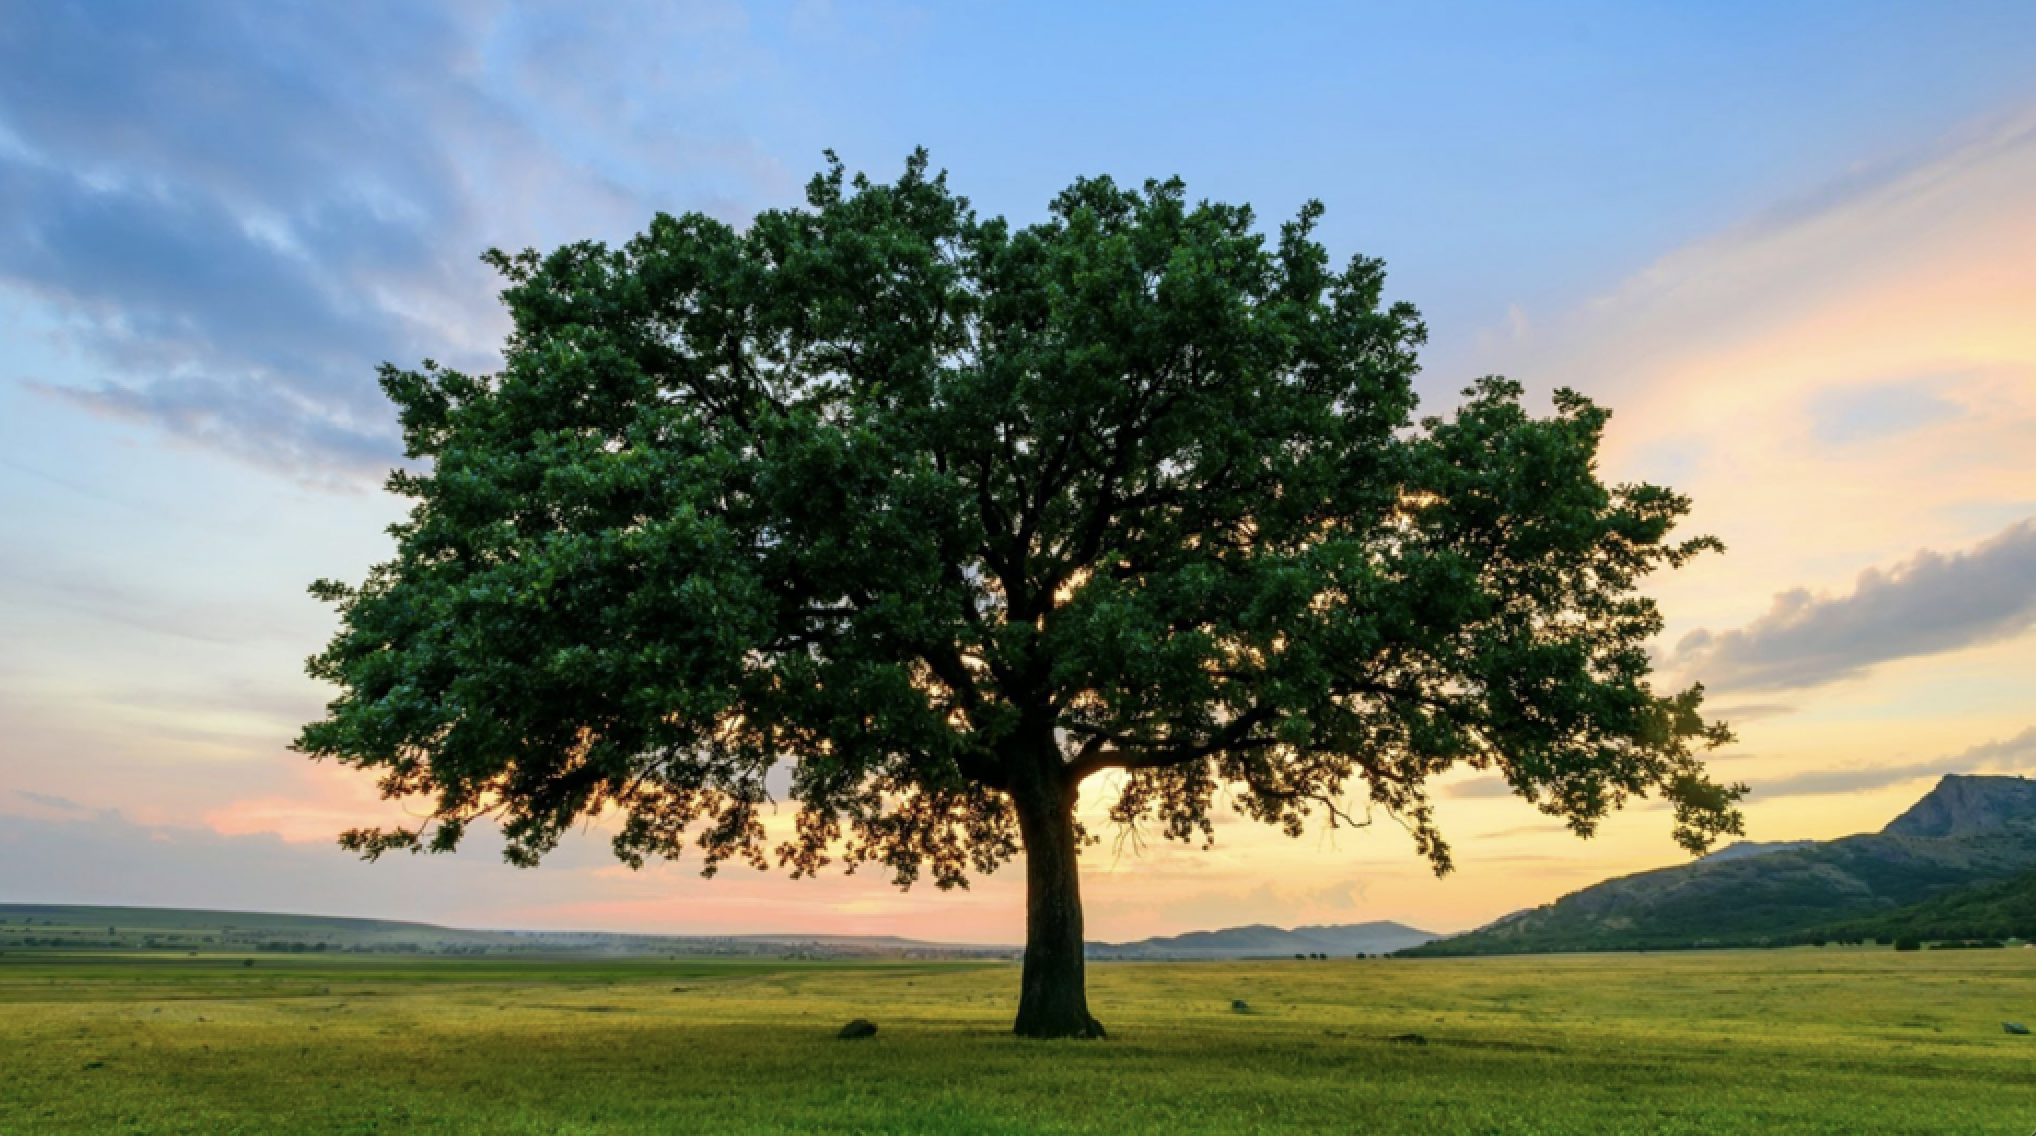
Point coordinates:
[(941, 518)]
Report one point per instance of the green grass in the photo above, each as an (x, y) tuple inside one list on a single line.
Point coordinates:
[(1775, 1042)]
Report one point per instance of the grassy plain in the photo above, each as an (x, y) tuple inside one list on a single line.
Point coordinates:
[(1779, 1043)]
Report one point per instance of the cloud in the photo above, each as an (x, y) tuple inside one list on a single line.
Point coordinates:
[(1751, 711), (1848, 416), (1835, 383), (254, 417), (1549, 829), (224, 216), (2011, 755), (233, 212), (1479, 788), (325, 801), (141, 604), (1928, 604), (50, 801), (1799, 300)]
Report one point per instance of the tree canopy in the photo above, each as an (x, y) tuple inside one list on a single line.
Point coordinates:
[(918, 520)]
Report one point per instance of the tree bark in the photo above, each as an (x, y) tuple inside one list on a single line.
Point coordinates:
[(1053, 997)]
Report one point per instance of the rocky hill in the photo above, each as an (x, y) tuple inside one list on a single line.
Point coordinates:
[(1963, 805), (1967, 832)]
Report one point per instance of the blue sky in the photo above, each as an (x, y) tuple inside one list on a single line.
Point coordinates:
[(215, 219), (217, 192)]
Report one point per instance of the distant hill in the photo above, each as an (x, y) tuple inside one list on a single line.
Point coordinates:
[(195, 919), (71, 927), (1262, 941), (68, 927), (1966, 833), (1746, 848)]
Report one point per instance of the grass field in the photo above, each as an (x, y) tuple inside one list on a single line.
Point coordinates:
[(1777, 1043)]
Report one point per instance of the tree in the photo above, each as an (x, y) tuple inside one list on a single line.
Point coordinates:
[(922, 521)]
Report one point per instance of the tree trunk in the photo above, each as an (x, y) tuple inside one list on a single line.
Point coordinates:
[(1053, 998)]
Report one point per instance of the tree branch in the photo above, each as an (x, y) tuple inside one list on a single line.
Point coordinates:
[(1135, 753)]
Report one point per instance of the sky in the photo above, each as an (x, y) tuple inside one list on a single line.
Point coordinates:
[(1792, 245)]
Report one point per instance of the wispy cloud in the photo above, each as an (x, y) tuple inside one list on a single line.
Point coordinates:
[(1930, 603), (235, 211), (1486, 787), (2011, 755), (1837, 382), (1846, 416), (1549, 829), (1751, 711)]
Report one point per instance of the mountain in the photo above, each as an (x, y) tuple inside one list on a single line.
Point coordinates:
[(1262, 941), (1967, 832), (1963, 805)]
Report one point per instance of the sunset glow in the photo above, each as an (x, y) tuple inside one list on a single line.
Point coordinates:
[(1817, 320)]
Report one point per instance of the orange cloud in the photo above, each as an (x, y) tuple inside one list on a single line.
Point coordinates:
[(332, 800), (1731, 350)]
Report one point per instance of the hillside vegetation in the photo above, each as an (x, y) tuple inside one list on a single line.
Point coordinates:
[(1967, 833), (2005, 909)]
